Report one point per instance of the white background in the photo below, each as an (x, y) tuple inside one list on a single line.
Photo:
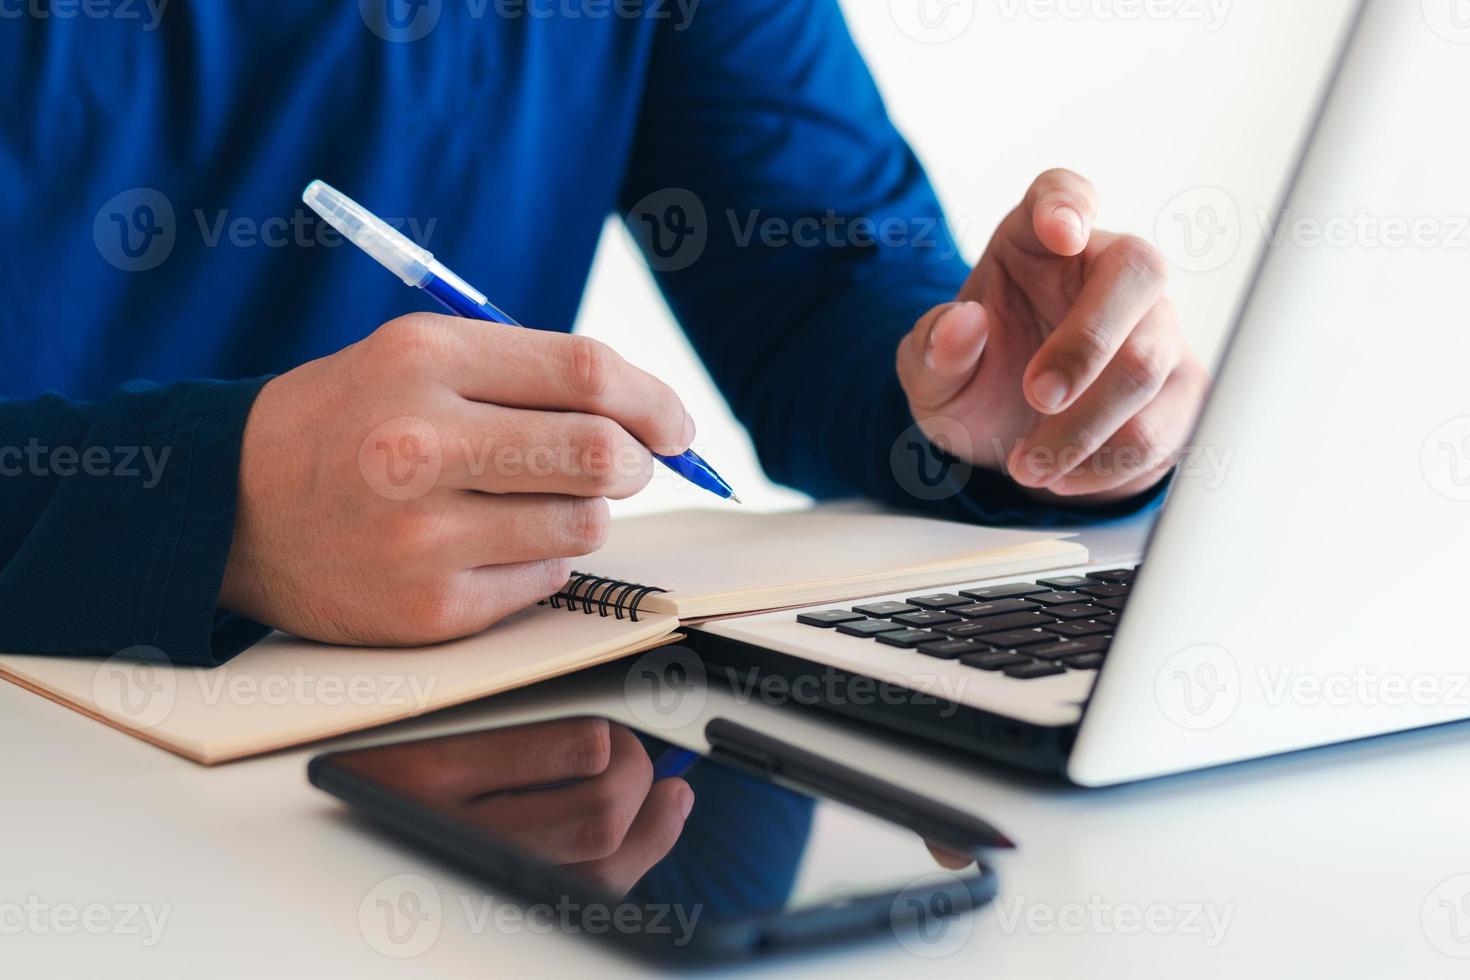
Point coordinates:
[(1164, 104)]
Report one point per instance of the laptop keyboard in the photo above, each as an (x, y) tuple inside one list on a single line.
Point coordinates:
[(1023, 630)]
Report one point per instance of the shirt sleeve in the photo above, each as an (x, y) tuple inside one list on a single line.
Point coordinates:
[(797, 239), (116, 520)]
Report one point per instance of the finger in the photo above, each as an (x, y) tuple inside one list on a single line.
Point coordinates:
[(1130, 382), (1127, 279), (572, 824), (1056, 216), (1142, 452), (456, 768), (947, 859), (938, 357), (482, 597), (538, 369), (484, 529), (508, 450), (652, 836)]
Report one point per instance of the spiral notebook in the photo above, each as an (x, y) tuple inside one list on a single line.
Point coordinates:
[(654, 573)]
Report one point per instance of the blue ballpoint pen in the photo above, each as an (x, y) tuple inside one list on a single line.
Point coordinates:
[(418, 268)]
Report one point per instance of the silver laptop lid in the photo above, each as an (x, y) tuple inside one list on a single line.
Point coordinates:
[(1313, 592)]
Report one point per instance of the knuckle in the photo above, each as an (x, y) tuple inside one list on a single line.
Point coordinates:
[(1141, 260), (599, 437), (590, 366), (591, 520), (413, 341), (1091, 342), (435, 614), (600, 445), (1144, 367), (414, 533), (1141, 436), (602, 828), (587, 745)]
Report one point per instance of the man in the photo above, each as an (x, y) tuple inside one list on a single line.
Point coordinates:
[(150, 176)]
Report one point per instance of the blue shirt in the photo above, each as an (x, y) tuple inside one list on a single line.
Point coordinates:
[(157, 264)]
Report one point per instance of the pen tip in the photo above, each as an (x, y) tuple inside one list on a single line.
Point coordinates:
[(736, 499)]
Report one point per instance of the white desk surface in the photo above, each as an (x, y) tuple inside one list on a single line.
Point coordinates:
[(1335, 863)]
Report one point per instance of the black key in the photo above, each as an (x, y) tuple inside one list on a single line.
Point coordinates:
[(1032, 671), (1065, 582), (1013, 621), (1057, 598), (830, 618), (1116, 575), (942, 601), (926, 619), (1069, 648), (997, 608), (868, 627), (994, 661), (1113, 603), (993, 592), (1107, 619), (1018, 638), (951, 649), (1084, 661), (908, 639), (1077, 611), (1077, 627), (1108, 590), (966, 631), (882, 610)]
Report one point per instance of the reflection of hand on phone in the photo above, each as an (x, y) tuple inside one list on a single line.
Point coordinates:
[(576, 792), (949, 860)]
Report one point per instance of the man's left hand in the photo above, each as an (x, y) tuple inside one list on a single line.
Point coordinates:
[(1061, 361)]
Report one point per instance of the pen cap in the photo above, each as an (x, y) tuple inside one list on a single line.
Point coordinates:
[(368, 232)]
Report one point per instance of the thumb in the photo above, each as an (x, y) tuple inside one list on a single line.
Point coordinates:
[(938, 357)]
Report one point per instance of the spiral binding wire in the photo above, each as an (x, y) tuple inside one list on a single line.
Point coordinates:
[(605, 595)]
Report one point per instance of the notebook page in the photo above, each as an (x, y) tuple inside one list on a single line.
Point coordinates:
[(717, 562)]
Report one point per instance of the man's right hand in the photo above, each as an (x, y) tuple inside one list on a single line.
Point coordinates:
[(428, 481)]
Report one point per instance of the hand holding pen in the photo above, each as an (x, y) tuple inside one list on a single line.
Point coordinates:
[(435, 477), (418, 268)]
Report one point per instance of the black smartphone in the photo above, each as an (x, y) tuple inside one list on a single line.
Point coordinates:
[(756, 848)]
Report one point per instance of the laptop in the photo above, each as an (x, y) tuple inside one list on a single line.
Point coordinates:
[(1306, 594)]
